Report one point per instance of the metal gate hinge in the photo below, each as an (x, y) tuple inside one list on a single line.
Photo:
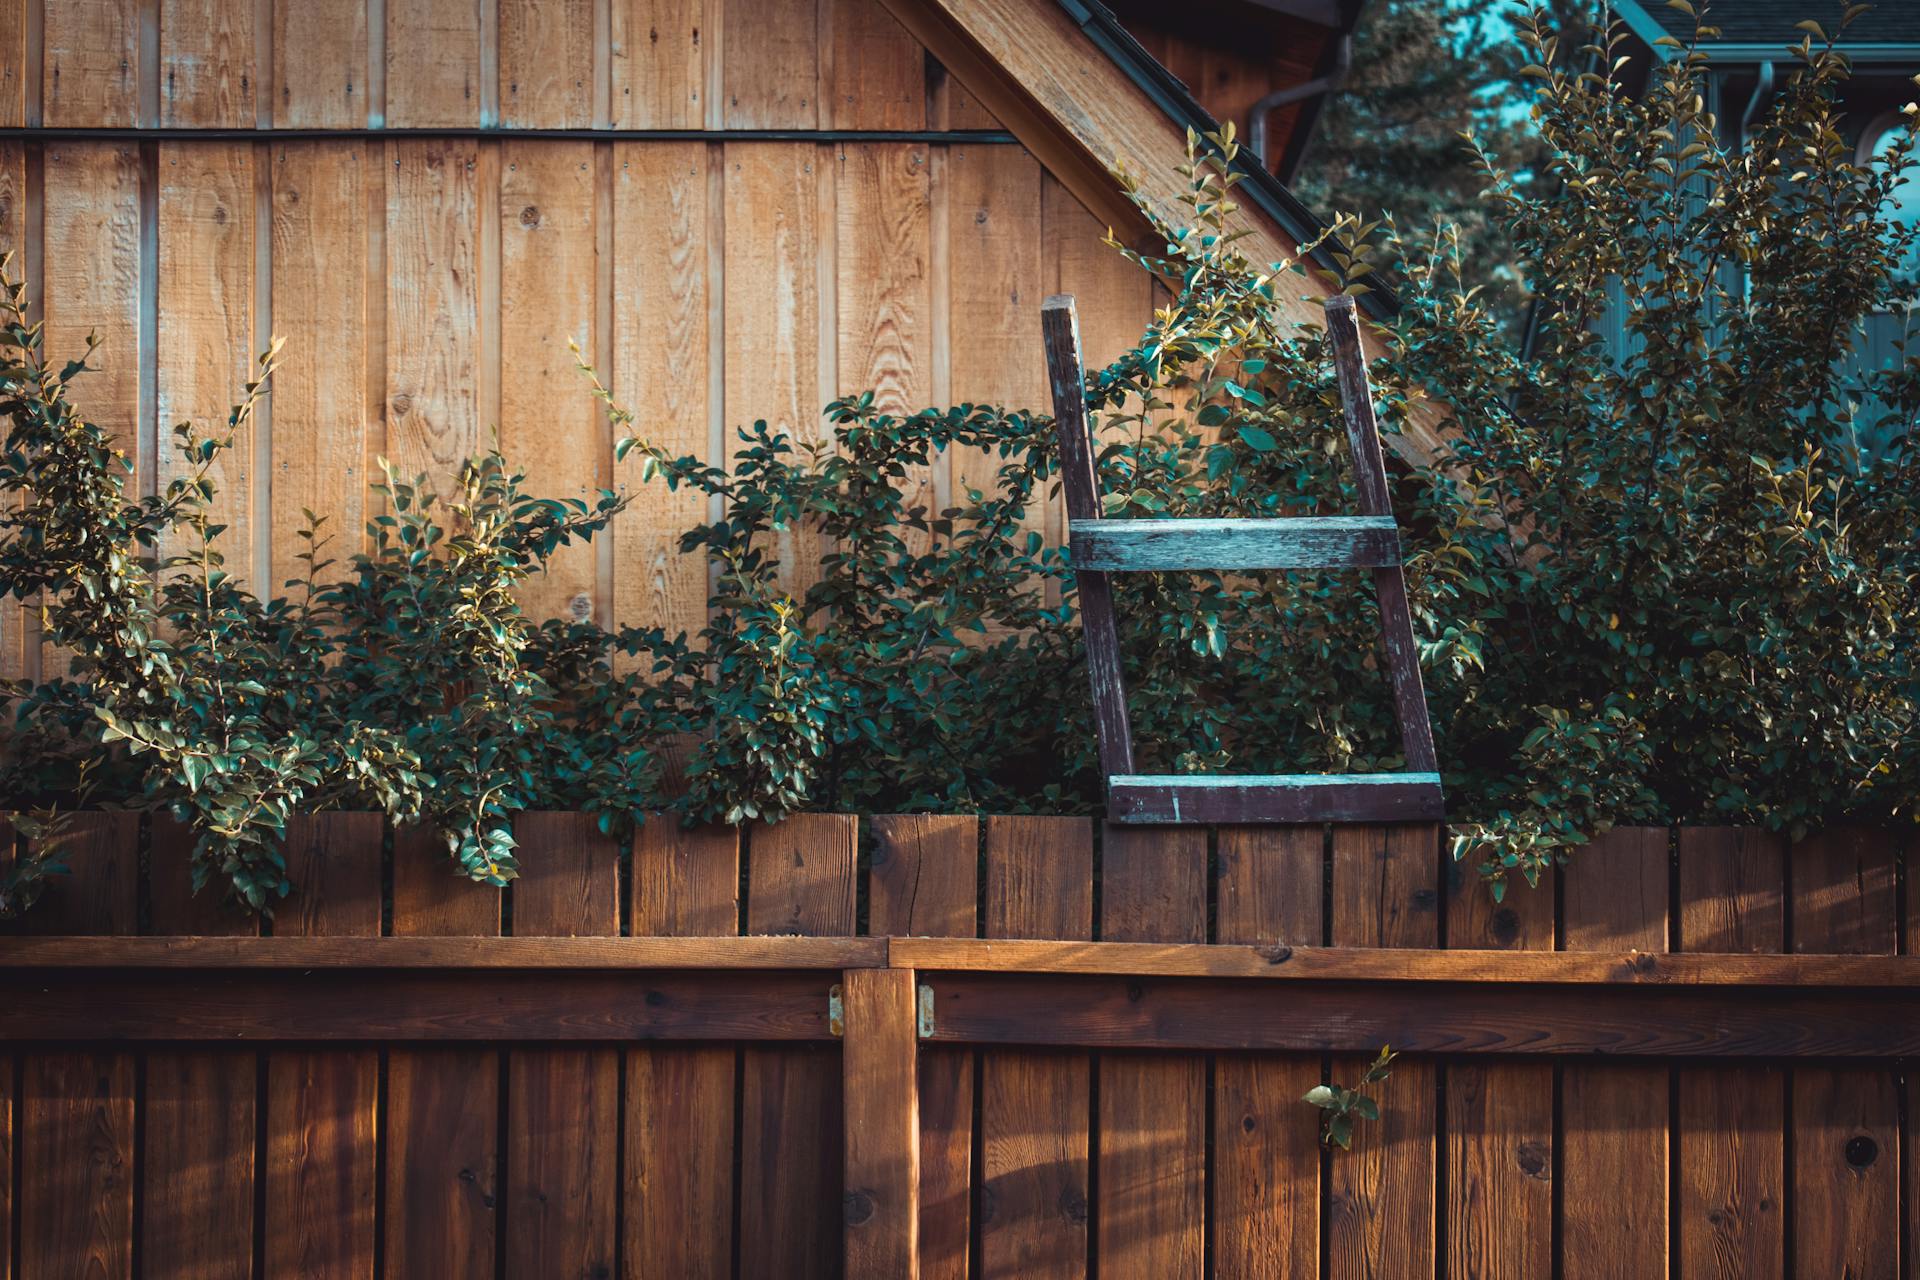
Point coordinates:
[(836, 1011), (926, 1012)]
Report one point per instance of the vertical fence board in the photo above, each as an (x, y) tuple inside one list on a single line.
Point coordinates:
[(207, 74), (200, 1120), (13, 71), (91, 64), (319, 276), (433, 303), (563, 1121), (1614, 1118), (800, 881), (1381, 1194), (433, 64), (9, 1123), (1151, 1206), (1846, 1120), (14, 620), (771, 54), (206, 282), (546, 64), (321, 1102), (660, 373), (773, 246), (443, 1104), (1266, 1156), (1499, 1115), (924, 882), (92, 257), (320, 64), (680, 1122), (882, 1136), (1034, 1113), (550, 426), (879, 71), (1731, 1120), (659, 63)]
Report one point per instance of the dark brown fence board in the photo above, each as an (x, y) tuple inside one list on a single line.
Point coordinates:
[(322, 1103), (1386, 893), (77, 1105), (443, 1102), (1266, 1153), (881, 1201), (925, 881), (680, 1099), (1846, 1120), (1731, 1121), (800, 880), (200, 1121), (1614, 1118), (563, 1105), (1152, 1186), (1034, 1106), (1499, 1173), (9, 1122)]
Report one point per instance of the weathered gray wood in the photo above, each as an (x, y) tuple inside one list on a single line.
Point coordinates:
[(1060, 327), (1352, 797), (1390, 582), (1303, 542)]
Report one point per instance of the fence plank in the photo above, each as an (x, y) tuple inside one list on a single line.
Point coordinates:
[(1381, 1215), (319, 273), (660, 333), (207, 73), (9, 1123), (1266, 1172), (771, 55), (1614, 1119), (92, 242), (443, 1165), (925, 882), (550, 427), (200, 1116), (1499, 1116), (659, 64), (433, 64), (433, 219), (878, 71), (563, 1104), (321, 1103), (1731, 1121), (320, 64), (1151, 1209), (1846, 1120), (76, 1158), (1034, 1106), (800, 880), (882, 1135), (91, 64), (13, 72), (546, 64)]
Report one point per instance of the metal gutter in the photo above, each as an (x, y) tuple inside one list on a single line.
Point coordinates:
[(1643, 25)]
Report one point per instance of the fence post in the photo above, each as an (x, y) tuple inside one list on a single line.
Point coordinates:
[(881, 1109)]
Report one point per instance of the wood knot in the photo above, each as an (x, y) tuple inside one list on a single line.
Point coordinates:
[(530, 216), (856, 1208), (1534, 1160), (401, 405), (1277, 953), (581, 607), (655, 999), (1073, 1205), (1861, 1151)]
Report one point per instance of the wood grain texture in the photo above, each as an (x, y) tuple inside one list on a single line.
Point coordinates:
[(207, 73), (13, 64), (800, 881), (1731, 1122), (680, 1119), (550, 427), (546, 64), (1034, 1113), (206, 330), (1115, 295), (100, 893), (319, 274), (1303, 542), (771, 59), (443, 1103), (773, 246), (433, 64), (660, 372), (16, 619), (91, 65), (1614, 1118), (1846, 1120), (321, 1103), (320, 64), (92, 257), (1269, 885), (212, 912), (881, 1201), (563, 1105), (1382, 1194), (433, 300), (878, 72), (1151, 1203), (9, 1127), (659, 56)]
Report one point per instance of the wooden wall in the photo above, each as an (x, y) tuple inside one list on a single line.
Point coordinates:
[(381, 183)]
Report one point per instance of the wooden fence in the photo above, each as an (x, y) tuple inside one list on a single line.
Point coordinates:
[(1010, 1047)]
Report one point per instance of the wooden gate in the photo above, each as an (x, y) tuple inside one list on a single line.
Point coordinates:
[(1010, 1047)]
